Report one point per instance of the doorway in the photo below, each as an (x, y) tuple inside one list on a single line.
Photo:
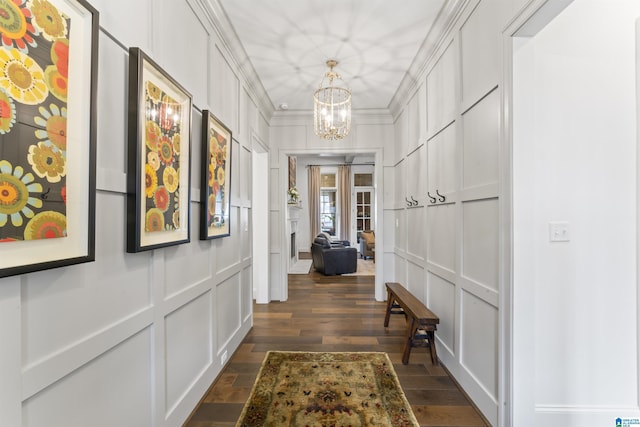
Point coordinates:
[(260, 222), (377, 214)]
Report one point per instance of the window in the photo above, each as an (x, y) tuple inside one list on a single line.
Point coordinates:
[(328, 198), (328, 180), (363, 183), (363, 211), (328, 211), (363, 179)]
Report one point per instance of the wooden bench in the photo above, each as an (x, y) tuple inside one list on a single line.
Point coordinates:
[(421, 322)]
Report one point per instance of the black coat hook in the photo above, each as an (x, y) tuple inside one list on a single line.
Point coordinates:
[(442, 198), (415, 202), (409, 203), (431, 198)]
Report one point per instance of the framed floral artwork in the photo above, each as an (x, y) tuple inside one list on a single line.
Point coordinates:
[(215, 187), (158, 172), (48, 82)]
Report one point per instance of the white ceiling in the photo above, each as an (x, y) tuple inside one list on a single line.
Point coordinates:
[(289, 41)]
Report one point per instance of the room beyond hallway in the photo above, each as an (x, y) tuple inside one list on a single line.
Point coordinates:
[(333, 313)]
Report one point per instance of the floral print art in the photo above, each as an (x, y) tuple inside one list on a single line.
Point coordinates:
[(218, 192), (34, 70), (162, 154)]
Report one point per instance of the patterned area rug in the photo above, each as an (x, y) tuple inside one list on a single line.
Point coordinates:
[(326, 389)]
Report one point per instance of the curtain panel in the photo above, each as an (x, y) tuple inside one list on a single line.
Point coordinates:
[(344, 192), (314, 201)]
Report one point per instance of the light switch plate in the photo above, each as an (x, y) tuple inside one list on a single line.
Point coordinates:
[(559, 231)]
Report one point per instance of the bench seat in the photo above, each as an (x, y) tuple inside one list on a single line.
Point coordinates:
[(421, 322)]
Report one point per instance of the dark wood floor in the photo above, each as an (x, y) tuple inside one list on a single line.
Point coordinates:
[(333, 314)]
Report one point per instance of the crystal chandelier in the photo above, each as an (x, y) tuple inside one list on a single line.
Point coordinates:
[(332, 106)]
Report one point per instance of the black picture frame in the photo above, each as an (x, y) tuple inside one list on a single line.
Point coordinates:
[(48, 177), (215, 183), (159, 157)]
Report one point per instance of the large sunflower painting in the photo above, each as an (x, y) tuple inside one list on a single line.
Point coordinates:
[(216, 180), (162, 183), (34, 63), (159, 157)]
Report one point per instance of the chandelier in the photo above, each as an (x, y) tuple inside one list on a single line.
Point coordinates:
[(332, 106)]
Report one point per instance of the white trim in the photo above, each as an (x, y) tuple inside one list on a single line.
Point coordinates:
[(222, 27), (517, 27), (260, 235), (358, 117), (429, 49), (638, 205), (283, 163)]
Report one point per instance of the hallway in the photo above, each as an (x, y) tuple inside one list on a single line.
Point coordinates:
[(333, 314)]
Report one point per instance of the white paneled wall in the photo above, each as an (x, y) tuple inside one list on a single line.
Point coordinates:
[(441, 91), (478, 352), (448, 255), (442, 300), (480, 50), (416, 186), (415, 280), (480, 151), (442, 164), (416, 237), (223, 97), (119, 381), (136, 339), (480, 242), (186, 329), (401, 141), (191, 70), (389, 188), (441, 237), (565, 153)]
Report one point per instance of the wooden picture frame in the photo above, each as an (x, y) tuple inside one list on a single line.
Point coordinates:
[(159, 157), (47, 135), (292, 171), (215, 186)]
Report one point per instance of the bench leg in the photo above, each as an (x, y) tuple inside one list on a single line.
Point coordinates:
[(389, 305), (411, 330), (432, 347)]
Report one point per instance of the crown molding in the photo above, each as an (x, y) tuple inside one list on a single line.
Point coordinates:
[(305, 117), (426, 55), (217, 17)]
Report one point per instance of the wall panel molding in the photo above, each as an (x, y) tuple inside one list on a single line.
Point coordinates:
[(38, 376)]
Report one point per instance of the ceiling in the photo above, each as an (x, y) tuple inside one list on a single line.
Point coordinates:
[(289, 41)]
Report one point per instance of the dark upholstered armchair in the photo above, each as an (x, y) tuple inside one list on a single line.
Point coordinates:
[(331, 259)]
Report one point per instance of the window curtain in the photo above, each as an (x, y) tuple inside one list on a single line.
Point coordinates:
[(344, 192), (314, 201)]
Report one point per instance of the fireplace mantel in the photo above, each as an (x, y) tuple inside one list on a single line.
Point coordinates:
[(294, 215)]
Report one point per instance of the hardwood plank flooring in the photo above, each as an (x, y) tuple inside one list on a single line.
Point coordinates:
[(334, 314)]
